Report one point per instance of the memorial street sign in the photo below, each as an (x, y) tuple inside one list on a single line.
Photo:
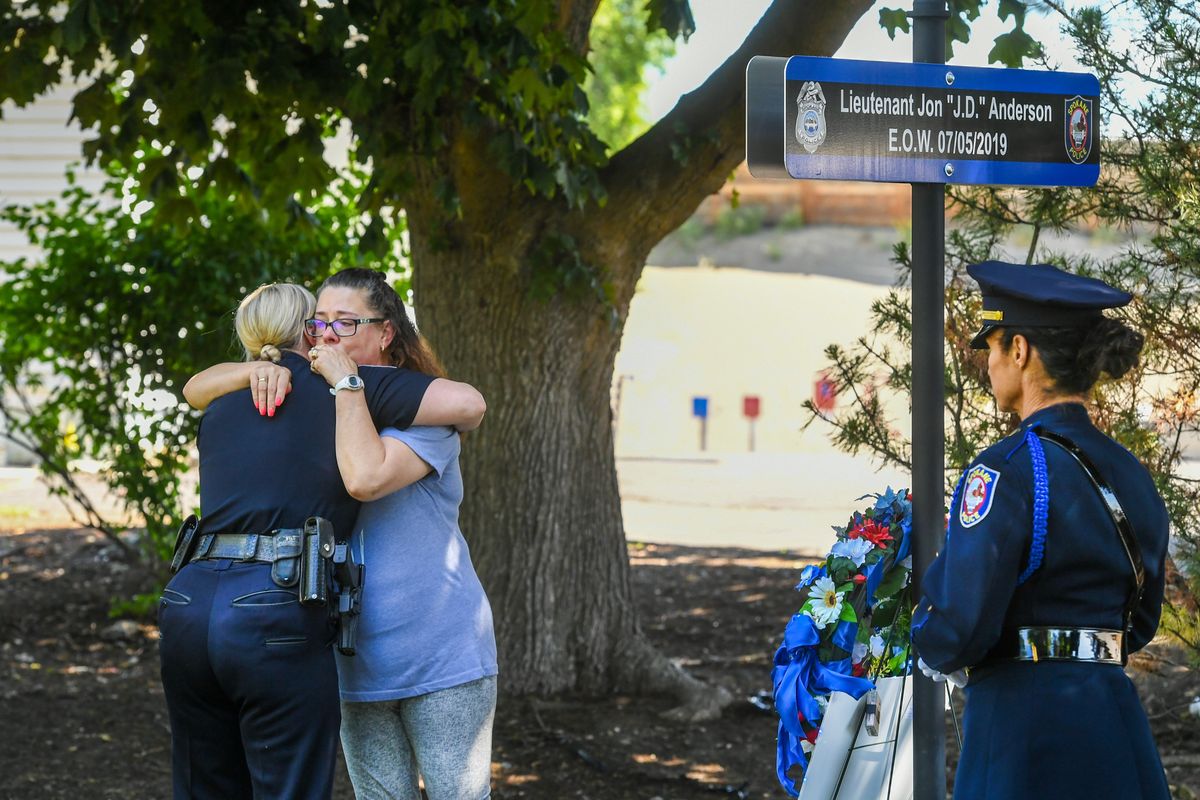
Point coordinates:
[(930, 123)]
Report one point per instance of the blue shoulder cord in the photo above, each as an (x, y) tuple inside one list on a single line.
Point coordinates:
[(1041, 505)]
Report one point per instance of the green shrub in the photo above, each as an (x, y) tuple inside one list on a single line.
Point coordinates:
[(740, 221), (100, 332)]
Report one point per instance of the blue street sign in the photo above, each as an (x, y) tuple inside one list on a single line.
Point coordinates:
[(700, 407), (928, 123)]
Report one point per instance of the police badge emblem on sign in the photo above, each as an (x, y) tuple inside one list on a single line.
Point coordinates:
[(979, 488), (1077, 129), (810, 116)]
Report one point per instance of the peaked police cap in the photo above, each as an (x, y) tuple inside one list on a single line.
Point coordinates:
[(1038, 296)]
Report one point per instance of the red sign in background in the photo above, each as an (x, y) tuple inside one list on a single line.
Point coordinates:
[(750, 406), (824, 393)]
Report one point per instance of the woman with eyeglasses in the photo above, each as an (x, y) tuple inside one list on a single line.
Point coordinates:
[(248, 671), (418, 698)]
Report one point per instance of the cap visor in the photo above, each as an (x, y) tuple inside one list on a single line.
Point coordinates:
[(979, 340)]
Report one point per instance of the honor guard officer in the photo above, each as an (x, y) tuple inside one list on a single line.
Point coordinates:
[(1052, 570), (248, 671)]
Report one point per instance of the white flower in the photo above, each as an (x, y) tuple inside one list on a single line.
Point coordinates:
[(854, 549), (876, 645), (826, 602), (859, 652)]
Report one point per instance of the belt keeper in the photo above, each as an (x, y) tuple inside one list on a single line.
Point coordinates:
[(206, 543), (251, 547)]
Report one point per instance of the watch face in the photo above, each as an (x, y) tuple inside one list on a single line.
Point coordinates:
[(354, 382)]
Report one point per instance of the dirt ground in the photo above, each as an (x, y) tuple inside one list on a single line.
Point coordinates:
[(82, 712)]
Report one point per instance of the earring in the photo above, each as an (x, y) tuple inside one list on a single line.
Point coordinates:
[(382, 348)]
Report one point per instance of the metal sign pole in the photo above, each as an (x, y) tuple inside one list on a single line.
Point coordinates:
[(928, 399)]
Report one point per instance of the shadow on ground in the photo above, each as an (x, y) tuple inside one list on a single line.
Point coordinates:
[(83, 715)]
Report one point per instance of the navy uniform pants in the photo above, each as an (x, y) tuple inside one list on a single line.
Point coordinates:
[(1056, 731), (251, 686)]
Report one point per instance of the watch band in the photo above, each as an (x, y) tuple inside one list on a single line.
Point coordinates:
[(352, 382)]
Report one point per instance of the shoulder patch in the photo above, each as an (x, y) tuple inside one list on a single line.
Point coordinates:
[(979, 489)]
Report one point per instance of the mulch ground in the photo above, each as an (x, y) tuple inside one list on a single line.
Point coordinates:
[(82, 712)]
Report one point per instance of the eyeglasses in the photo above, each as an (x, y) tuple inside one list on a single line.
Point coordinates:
[(342, 327)]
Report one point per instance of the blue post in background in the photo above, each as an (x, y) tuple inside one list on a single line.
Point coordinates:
[(700, 411)]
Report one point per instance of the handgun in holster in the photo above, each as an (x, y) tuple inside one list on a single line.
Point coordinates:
[(185, 543), (315, 552), (348, 582)]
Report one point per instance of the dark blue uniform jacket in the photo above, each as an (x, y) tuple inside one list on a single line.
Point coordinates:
[(971, 589), (261, 473), (1050, 729)]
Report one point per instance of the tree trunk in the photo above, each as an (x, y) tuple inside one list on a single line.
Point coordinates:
[(542, 510), (545, 529)]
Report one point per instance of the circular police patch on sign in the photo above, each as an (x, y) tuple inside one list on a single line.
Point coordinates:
[(1078, 129), (979, 487)]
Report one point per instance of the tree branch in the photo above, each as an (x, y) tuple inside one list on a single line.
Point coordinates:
[(575, 22), (660, 178)]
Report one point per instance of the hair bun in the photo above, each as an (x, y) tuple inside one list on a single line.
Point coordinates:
[(1111, 347), (269, 352)]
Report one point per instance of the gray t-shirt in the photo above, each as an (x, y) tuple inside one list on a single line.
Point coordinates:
[(426, 623)]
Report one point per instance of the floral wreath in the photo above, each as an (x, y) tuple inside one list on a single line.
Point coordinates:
[(852, 629)]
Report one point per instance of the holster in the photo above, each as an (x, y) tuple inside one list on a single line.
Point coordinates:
[(316, 550), (348, 581), (185, 543)]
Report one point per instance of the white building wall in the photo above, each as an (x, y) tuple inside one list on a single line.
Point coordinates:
[(36, 145)]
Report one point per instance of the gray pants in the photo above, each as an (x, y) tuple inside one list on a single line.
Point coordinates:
[(444, 737)]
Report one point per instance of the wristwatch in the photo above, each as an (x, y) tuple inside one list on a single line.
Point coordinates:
[(351, 382)]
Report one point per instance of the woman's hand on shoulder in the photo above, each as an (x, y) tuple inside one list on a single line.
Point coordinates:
[(331, 363), (222, 379), (269, 384)]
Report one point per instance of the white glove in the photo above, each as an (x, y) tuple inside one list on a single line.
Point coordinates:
[(958, 677)]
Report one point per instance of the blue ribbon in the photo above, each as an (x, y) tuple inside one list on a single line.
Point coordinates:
[(874, 578), (845, 634), (798, 674)]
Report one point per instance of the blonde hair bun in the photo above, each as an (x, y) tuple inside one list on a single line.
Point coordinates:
[(271, 319)]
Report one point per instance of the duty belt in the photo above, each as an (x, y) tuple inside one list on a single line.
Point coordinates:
[(248, 546), (1088, 645)]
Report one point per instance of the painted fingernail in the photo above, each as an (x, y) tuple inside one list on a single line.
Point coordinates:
[(271, 412)]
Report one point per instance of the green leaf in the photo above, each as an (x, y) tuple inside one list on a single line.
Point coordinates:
[(1014, 9), (893, 581), (75, 26), (847, 614), (1012, 48), (894, 19), (673, 16)]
